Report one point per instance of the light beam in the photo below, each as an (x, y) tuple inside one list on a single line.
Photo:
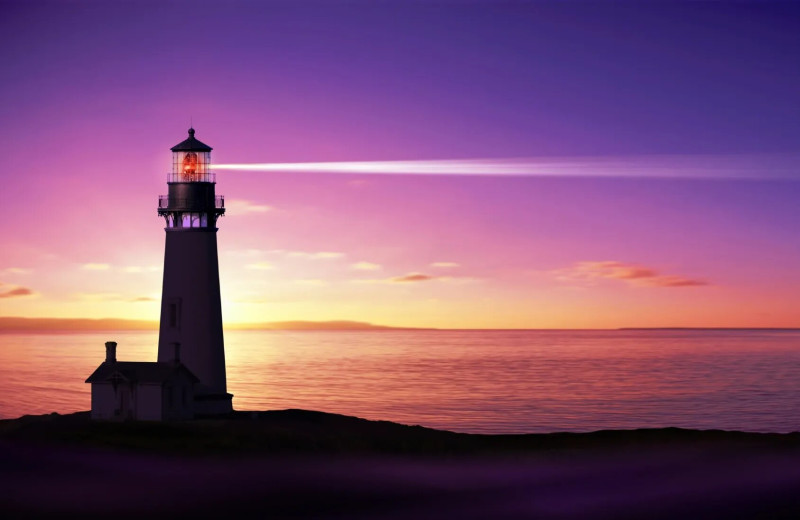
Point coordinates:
[(654, 167)]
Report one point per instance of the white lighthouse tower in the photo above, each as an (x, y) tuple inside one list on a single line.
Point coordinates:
[(191, 314)]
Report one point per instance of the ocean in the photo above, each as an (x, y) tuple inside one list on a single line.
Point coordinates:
[(466, 381)]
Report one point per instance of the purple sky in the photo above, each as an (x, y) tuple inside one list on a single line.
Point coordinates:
[(95, 93)]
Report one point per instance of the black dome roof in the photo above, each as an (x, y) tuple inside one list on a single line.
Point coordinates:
[(191, 145)]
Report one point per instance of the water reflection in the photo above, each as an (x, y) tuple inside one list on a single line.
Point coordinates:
[(476, 381)]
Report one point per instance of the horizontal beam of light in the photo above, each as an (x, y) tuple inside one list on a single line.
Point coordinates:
[(666, 167)]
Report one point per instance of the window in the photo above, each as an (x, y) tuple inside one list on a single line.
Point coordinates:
[(173, 314), (192, 220)]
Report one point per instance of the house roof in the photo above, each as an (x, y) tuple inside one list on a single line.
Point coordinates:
[(191, 145), (140, 371)]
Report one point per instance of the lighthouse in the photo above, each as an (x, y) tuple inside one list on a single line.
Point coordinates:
[(188, 380), (191, 313)]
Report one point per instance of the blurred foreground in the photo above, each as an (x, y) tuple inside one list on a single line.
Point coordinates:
[(295, 463)]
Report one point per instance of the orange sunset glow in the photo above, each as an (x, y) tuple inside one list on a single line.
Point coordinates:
[(408, 205)]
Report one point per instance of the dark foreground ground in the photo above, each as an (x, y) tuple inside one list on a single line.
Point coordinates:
[(296, 463)]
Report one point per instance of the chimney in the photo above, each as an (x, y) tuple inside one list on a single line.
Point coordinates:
[(111, 351), (176, 352)]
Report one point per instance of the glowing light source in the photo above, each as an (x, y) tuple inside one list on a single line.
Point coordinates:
[(190, 163)]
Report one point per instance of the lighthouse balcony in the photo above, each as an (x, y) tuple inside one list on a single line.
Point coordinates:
[(184, 204), (191, 177)]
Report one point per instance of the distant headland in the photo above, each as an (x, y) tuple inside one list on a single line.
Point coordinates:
[(742, 329), (22, 324), (19, 324)]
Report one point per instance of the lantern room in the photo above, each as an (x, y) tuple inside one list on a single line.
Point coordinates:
[(191, 161), (191, 201)]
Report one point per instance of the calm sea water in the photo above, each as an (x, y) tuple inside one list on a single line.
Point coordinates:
[(470, 381)]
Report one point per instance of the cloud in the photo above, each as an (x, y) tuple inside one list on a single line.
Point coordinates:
[(412, 277), (458, 279), (365, 266), (144, 299), (95, 267), (18, 291), (238, 206), (418, 277), (445, 265), (262, 266), (674, 281), (632, 274)]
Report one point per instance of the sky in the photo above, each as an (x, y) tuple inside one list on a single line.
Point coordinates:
[(93, 95)]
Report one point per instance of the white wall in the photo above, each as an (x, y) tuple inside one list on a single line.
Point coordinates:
[(147, 402), (104, 401)]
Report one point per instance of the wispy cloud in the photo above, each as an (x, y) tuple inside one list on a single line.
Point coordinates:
[(632, 274), (458, 279), (95, 267), (365, 266), (261, 266), (412, 277), (15, 292), (395, 280), (144, 299), (416, 278), (674, 281), (239, 206), (445, 265)]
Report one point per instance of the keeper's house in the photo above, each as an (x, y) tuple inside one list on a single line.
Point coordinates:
[(142, 390)]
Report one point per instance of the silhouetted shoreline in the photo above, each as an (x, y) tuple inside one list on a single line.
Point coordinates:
[(312, 464), (296, 430)]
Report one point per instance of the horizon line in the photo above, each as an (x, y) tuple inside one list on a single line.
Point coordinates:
[(70, 324)]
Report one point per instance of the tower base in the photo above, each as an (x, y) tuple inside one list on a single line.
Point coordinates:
[(213, 404)]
